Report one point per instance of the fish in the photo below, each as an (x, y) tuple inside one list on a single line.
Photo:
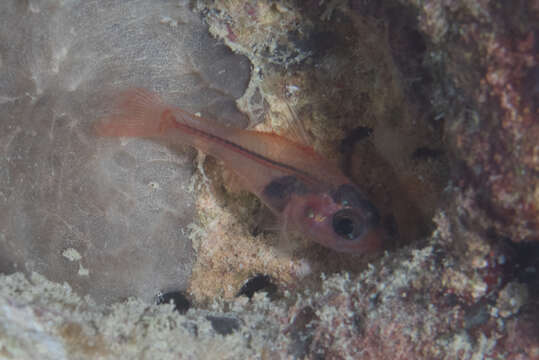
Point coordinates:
[(309, 194)]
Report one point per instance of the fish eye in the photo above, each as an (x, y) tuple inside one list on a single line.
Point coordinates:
[(347, 224)]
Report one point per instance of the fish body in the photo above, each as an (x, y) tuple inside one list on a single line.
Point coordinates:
[(307, 192)]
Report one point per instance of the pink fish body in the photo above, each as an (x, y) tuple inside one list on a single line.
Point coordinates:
[(307, 192)]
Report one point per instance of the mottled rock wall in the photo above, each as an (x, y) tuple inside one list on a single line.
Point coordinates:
[(430, 106)]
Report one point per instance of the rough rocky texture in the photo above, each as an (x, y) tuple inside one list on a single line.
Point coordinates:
[(430, 106), (489, 53), (110, 217), (414, 303)]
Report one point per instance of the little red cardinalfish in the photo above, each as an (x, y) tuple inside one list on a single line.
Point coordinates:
[(308, 193)]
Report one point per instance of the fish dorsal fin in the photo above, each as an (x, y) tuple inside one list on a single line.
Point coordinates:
[(289, 124), (296, 129)]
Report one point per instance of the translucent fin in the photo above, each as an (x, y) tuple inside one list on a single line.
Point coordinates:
[(137, 113), (267, 221), (297, 131), (286, 245)]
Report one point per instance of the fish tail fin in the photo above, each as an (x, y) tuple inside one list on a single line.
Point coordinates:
[(137, 113)]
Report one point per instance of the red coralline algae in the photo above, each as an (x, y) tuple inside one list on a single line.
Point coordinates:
[(492, 125)]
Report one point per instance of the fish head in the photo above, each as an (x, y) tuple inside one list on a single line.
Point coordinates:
[(342, 219)]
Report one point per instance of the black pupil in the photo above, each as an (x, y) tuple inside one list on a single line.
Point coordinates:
[(348, 224), (344, 227)]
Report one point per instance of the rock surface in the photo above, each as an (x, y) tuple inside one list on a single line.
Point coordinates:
[(108, 216), (429, 107)]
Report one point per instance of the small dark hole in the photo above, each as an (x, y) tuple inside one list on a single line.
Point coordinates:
[(258, 283), (223, 325), (181, 303), (358, 323)]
